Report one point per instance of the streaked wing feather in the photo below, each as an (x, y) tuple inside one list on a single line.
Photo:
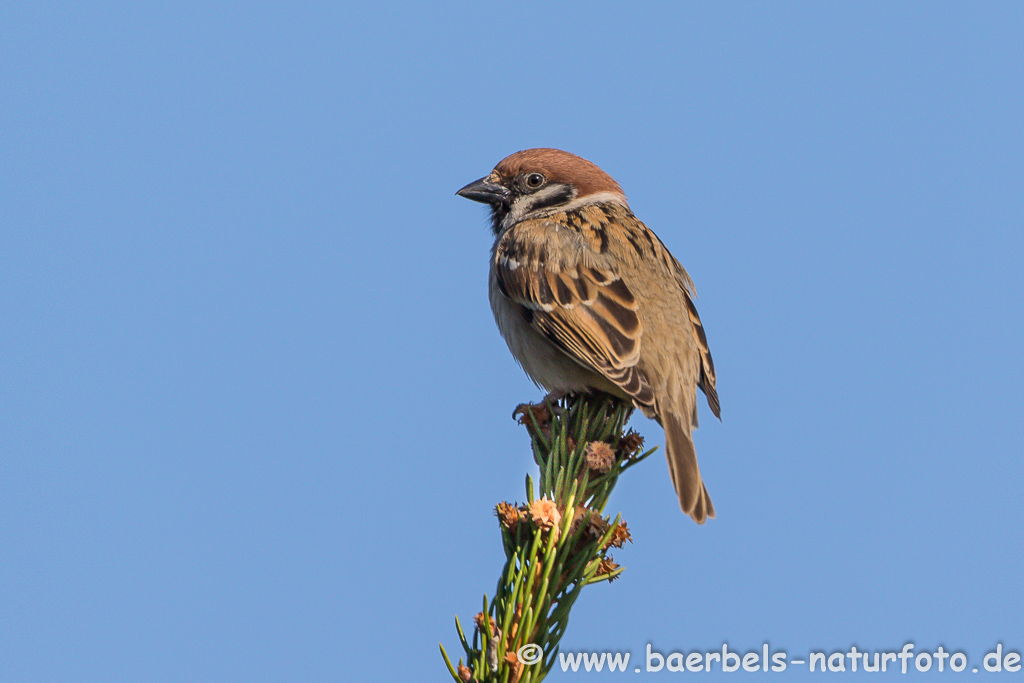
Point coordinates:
[(587, 312), (707, 366)]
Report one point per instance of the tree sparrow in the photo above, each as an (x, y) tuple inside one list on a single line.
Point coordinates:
[(588, 298)]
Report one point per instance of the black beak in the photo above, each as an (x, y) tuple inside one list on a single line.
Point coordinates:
[(484, 191)]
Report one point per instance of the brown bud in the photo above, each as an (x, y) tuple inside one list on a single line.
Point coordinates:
[(508, 514), (479, 619), (598, 525), (529, 413), (607, 566), (600, 457), (620, 535), (630, 444)]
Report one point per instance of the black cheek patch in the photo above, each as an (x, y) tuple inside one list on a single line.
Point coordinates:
[(563, 195)]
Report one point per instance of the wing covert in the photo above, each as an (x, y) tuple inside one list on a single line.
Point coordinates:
[(588, 312)]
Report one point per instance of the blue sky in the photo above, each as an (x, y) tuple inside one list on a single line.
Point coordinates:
[(254, 410)]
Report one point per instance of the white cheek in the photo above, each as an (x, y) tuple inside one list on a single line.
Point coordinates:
[(523, 206), (596, 198), (522, 209)]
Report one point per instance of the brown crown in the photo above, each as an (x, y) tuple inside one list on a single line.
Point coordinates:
[(560, 167)]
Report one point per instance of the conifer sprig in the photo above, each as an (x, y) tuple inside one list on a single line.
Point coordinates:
[(555, 543)]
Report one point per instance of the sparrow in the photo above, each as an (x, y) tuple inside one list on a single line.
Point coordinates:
[(589, 299)]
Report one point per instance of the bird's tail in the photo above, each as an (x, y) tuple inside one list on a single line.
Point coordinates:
[(682, 465)]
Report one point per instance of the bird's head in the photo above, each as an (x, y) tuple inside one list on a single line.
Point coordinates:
[(530, 183)]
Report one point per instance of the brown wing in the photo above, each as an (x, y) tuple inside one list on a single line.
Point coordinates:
[(706, 381), (707, 366), (587, 312)]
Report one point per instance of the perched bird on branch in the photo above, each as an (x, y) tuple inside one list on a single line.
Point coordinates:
[(588, 298)]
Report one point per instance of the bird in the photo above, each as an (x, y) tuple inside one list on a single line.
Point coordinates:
[(589, 299)]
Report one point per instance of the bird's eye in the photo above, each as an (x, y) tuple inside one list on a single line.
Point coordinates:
[(534, 180)]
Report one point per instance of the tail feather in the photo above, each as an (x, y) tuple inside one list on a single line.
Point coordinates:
[(682, 465)]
